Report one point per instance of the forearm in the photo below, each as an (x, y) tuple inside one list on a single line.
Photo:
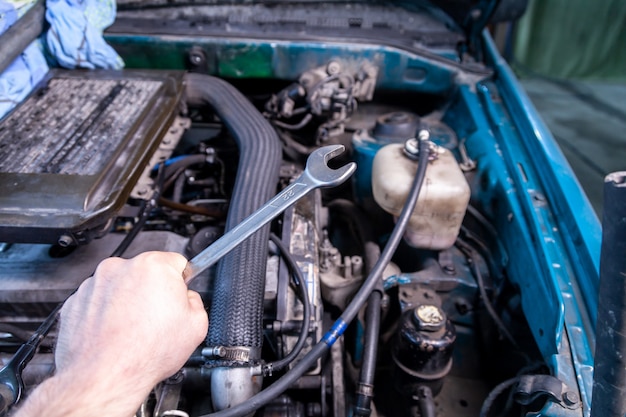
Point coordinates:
[(80, 395)]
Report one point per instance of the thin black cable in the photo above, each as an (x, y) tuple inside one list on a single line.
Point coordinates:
[(394, 239), (481, 247), (492, 312), (305, 120), (495, 393), (259, 400), (483, 221), (300, 283), (142, 217), (472, 256), (291, 143)]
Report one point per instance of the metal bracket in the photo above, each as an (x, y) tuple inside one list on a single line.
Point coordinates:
[(467, 164), (533, 387), (165, 150)]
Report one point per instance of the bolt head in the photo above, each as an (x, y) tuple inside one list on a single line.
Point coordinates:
[(570, 398), (333, 67), (449, 269), (65, 241)]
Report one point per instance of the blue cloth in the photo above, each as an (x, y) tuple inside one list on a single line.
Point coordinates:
[(25, 72), (74, 40), (8, 16), (75, 36)]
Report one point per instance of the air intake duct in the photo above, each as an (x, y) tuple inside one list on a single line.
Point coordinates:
[(237, 306)]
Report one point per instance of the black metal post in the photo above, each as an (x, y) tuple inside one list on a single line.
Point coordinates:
[(609, 382)]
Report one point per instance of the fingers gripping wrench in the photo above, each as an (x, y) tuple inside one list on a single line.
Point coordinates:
[(316, 174)]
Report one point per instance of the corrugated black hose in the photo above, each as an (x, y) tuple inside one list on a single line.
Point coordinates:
[(372, 280), (240, 280)]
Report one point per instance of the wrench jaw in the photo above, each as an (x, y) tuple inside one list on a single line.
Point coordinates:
[(318, 170)]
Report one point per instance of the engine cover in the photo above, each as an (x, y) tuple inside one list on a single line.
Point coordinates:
[(72, 152)]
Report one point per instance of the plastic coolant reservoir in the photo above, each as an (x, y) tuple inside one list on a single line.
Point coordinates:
[(443, 200)]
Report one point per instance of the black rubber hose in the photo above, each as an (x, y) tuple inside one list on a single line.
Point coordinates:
[(240, 279), (363, 229), (426, 402), (306, 303), (359, 224), (179, 185), (365, 389), (489, 306), (609, 376), (176, 167), (472, 257), (370, 283)]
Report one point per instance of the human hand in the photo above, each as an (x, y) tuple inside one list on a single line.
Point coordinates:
[(131, 325)]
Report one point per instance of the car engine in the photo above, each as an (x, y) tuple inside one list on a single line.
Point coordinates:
[(116, 163)]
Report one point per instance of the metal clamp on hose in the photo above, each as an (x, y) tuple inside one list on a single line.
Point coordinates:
[(232, 353)]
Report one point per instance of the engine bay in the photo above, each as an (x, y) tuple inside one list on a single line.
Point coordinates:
[(450, 329)]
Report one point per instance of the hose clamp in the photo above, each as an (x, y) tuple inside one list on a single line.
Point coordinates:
[(232, 353)]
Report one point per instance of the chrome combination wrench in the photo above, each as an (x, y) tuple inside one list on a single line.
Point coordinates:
[(316, 174)]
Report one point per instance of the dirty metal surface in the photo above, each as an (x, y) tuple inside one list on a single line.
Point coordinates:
[(73, 126), (71, 153)]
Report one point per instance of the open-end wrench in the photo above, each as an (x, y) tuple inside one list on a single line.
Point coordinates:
[(316, 174)]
